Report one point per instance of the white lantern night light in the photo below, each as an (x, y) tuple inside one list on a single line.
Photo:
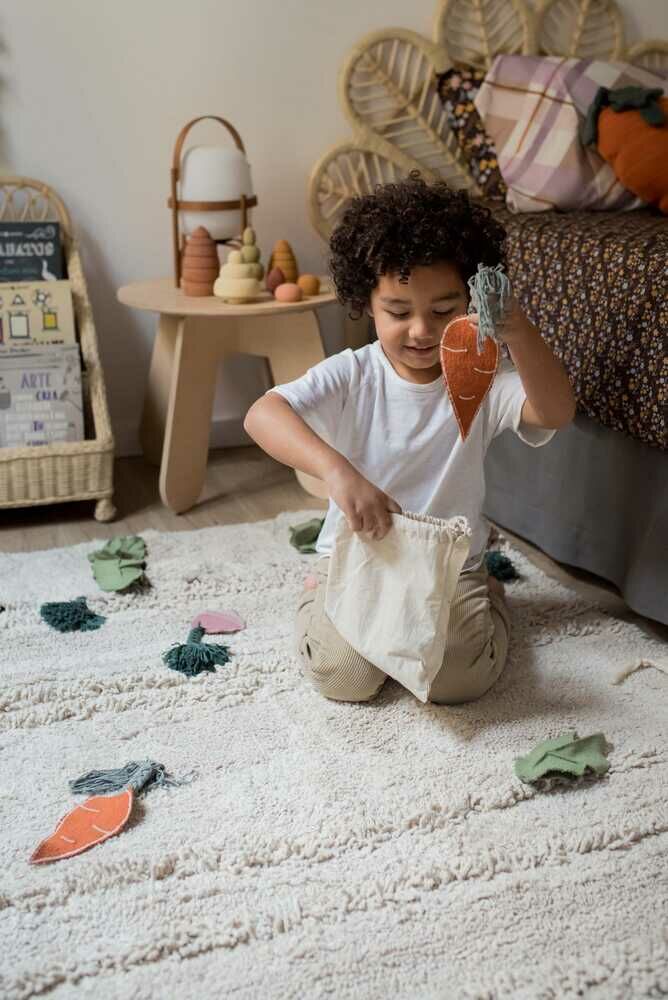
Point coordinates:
[(211, 187)]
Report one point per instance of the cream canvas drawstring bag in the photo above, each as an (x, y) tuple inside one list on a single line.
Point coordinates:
[(390, 599)]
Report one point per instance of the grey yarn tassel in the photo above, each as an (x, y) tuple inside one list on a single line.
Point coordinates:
[(489, 293), (138, 775)]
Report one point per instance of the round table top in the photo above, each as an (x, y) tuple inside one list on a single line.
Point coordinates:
[(160, 295)]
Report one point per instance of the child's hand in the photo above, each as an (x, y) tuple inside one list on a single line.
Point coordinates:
[(515, 323), (366, 508)]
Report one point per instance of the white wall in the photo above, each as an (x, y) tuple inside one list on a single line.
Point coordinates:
[(93, 95)]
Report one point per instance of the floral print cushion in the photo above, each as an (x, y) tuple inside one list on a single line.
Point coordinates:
[(457, 89)]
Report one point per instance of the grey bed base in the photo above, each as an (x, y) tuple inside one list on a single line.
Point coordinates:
[(593, 498)]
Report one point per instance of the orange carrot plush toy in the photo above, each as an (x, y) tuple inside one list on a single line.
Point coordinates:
[(87, 824), (470, 356), (103, 815)]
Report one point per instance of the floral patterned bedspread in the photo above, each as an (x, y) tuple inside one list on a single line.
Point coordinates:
[(596, 286)]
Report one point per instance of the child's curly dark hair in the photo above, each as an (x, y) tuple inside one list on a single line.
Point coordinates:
[(405, 225)]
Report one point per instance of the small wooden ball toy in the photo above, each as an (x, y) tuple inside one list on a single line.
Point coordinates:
[(288, 292), (274, 279), (309, 284)]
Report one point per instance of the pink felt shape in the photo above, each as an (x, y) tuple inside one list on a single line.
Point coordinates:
[(215, 622)]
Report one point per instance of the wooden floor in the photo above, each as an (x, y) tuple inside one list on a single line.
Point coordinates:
[(242, 484)]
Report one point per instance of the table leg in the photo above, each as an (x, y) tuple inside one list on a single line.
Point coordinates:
[(156, 400), (198, 346), (292, 344)]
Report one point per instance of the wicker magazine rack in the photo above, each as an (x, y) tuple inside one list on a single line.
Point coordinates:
[(77, 470)]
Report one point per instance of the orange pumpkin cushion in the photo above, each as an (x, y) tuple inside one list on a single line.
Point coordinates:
[(637, 152)]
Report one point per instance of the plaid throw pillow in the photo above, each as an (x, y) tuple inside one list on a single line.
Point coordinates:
[(533, 107), (457, 89)]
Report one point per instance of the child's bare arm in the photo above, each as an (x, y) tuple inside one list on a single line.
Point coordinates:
[(282, 433), (550, 399)]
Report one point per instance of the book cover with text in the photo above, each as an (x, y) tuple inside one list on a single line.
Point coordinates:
[(30, 251), (41, 398)]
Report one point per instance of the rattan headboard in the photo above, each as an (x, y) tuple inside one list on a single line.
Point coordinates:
[(387, 87)]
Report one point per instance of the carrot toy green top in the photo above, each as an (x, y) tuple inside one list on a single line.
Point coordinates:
[(489, 290)]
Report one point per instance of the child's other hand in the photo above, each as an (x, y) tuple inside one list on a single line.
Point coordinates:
[(515, 323), (366, 508)]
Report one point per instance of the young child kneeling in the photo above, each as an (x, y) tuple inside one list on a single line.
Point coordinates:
[(378, 427)]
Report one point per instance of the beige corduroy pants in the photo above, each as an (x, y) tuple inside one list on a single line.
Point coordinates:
[(475, 651)]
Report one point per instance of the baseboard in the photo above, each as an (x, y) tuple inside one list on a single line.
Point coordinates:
[(226, 432)]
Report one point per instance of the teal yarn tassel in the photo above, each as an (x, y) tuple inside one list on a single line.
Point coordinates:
[(500, 566), (489, 293), (140, 775), (194, 656), (71, 616)]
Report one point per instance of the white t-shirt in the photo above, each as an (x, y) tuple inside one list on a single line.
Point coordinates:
[(404, 437)]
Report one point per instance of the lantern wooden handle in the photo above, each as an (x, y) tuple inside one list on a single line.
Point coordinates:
[(176, 159)]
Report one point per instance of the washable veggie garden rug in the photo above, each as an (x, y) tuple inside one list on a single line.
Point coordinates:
[(322, 849)]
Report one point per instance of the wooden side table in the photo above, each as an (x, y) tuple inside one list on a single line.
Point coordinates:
[(194, 335)]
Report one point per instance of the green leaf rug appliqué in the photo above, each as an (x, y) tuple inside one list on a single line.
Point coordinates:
[(119, 563), (304, 536), (567, 756)]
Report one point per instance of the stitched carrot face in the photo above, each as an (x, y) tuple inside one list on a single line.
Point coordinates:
[(468, 375)]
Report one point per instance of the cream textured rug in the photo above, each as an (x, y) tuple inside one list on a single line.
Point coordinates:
[(323, 849)]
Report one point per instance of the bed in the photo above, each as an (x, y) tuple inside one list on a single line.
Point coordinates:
[(595, 283)]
